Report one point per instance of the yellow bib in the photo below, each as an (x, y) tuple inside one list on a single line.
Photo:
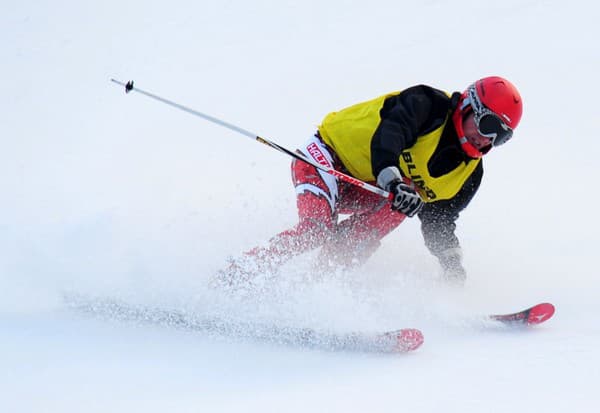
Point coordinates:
[(349, 133)]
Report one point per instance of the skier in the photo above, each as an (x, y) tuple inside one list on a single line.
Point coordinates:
[(422, 144)]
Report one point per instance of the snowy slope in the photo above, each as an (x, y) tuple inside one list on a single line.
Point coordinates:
[(117, 196)]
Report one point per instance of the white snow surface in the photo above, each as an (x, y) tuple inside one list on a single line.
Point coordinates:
[(110, 195)]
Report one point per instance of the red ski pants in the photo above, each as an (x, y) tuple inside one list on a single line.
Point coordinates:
[(321, 198)]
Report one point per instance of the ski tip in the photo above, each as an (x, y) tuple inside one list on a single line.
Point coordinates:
[(540, 313), (407, 339)]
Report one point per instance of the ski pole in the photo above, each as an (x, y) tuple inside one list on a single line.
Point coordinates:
[(340, 175)]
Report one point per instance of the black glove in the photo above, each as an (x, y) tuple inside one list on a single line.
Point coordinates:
[(451, 262), (406, 199)]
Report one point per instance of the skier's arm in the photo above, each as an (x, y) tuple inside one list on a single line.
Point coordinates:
[(412, 113), (438, 223)]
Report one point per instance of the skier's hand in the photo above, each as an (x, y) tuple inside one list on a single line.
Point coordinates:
[(451, 262), (406, 199)]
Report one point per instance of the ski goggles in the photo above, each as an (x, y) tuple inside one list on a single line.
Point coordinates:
[(488, 123)]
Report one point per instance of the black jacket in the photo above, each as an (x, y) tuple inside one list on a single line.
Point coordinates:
[(404, 117)]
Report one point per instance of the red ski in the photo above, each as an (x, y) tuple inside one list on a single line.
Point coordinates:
[(530, 316), (400, 341), (397, 341)]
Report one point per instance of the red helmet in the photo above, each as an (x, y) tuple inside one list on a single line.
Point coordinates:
[(497, 107)]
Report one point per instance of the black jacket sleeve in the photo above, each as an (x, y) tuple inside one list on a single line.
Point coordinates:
[(414, 112), (438, 218)]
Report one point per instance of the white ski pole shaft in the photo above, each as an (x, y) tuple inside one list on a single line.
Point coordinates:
[(341, 176)]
